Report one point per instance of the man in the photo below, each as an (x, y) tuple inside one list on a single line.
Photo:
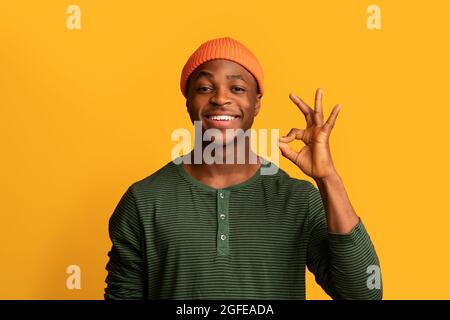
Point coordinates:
[(221, 230)]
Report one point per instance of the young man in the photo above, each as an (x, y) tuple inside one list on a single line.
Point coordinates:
[(224, 230)]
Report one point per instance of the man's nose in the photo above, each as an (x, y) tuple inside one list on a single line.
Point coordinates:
[(220, 97)]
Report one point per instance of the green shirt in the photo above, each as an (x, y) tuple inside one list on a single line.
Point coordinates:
[(174, 237)]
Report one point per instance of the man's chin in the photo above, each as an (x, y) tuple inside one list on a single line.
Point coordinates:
[(221, 137), (224, 141)]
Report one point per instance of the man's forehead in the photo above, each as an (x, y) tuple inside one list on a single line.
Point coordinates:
[(231, 69)]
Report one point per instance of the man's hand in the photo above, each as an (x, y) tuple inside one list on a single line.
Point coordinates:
[(314, 159)]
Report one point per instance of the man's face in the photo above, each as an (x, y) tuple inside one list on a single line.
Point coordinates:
[(223, 95)]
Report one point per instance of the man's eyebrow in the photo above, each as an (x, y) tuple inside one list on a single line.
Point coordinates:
[(236, 76), (206, 74), (209, 75)]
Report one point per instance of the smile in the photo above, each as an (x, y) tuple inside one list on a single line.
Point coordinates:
[(222, 117)]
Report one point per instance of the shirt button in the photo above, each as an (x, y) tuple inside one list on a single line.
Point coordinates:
[(223, 237), (222, 216), (221, 195)]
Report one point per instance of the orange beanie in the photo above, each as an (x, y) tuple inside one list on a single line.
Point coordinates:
[(222, 48)]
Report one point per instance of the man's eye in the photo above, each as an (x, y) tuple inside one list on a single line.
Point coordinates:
[(203, 89), (238, 89)]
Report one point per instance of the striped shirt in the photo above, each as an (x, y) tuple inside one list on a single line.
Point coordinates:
[(174, 237)]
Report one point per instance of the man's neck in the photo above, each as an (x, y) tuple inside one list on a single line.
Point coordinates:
[(225, 174)]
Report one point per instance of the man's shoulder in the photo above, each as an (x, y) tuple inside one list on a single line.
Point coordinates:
[(163, 178)]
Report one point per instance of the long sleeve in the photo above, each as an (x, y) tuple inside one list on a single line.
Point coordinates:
[(126, 268), (346, 266)]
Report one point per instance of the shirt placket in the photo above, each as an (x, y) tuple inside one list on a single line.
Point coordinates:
[(223, 231)]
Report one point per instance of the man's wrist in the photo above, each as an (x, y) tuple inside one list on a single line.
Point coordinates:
[(328, 180)]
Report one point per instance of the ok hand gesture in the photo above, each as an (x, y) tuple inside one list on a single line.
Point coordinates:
[(314, 159)]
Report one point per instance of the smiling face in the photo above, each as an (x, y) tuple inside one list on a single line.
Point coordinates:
[(223, 95)]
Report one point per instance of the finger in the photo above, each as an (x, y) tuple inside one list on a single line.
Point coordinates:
[(318, 114), (293, 134), (307, 111), (287, 151), (287, 139), (329, 125)]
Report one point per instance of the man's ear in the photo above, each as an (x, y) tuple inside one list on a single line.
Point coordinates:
[(258, 104)]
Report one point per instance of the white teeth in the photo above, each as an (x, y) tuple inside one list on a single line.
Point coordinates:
[(222, 118)]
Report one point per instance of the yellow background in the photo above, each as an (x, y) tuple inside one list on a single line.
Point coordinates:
[(85, 113)]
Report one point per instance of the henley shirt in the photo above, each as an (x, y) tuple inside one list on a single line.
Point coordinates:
[(174, 237)]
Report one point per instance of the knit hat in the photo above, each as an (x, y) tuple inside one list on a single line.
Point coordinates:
[(222, 48)]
